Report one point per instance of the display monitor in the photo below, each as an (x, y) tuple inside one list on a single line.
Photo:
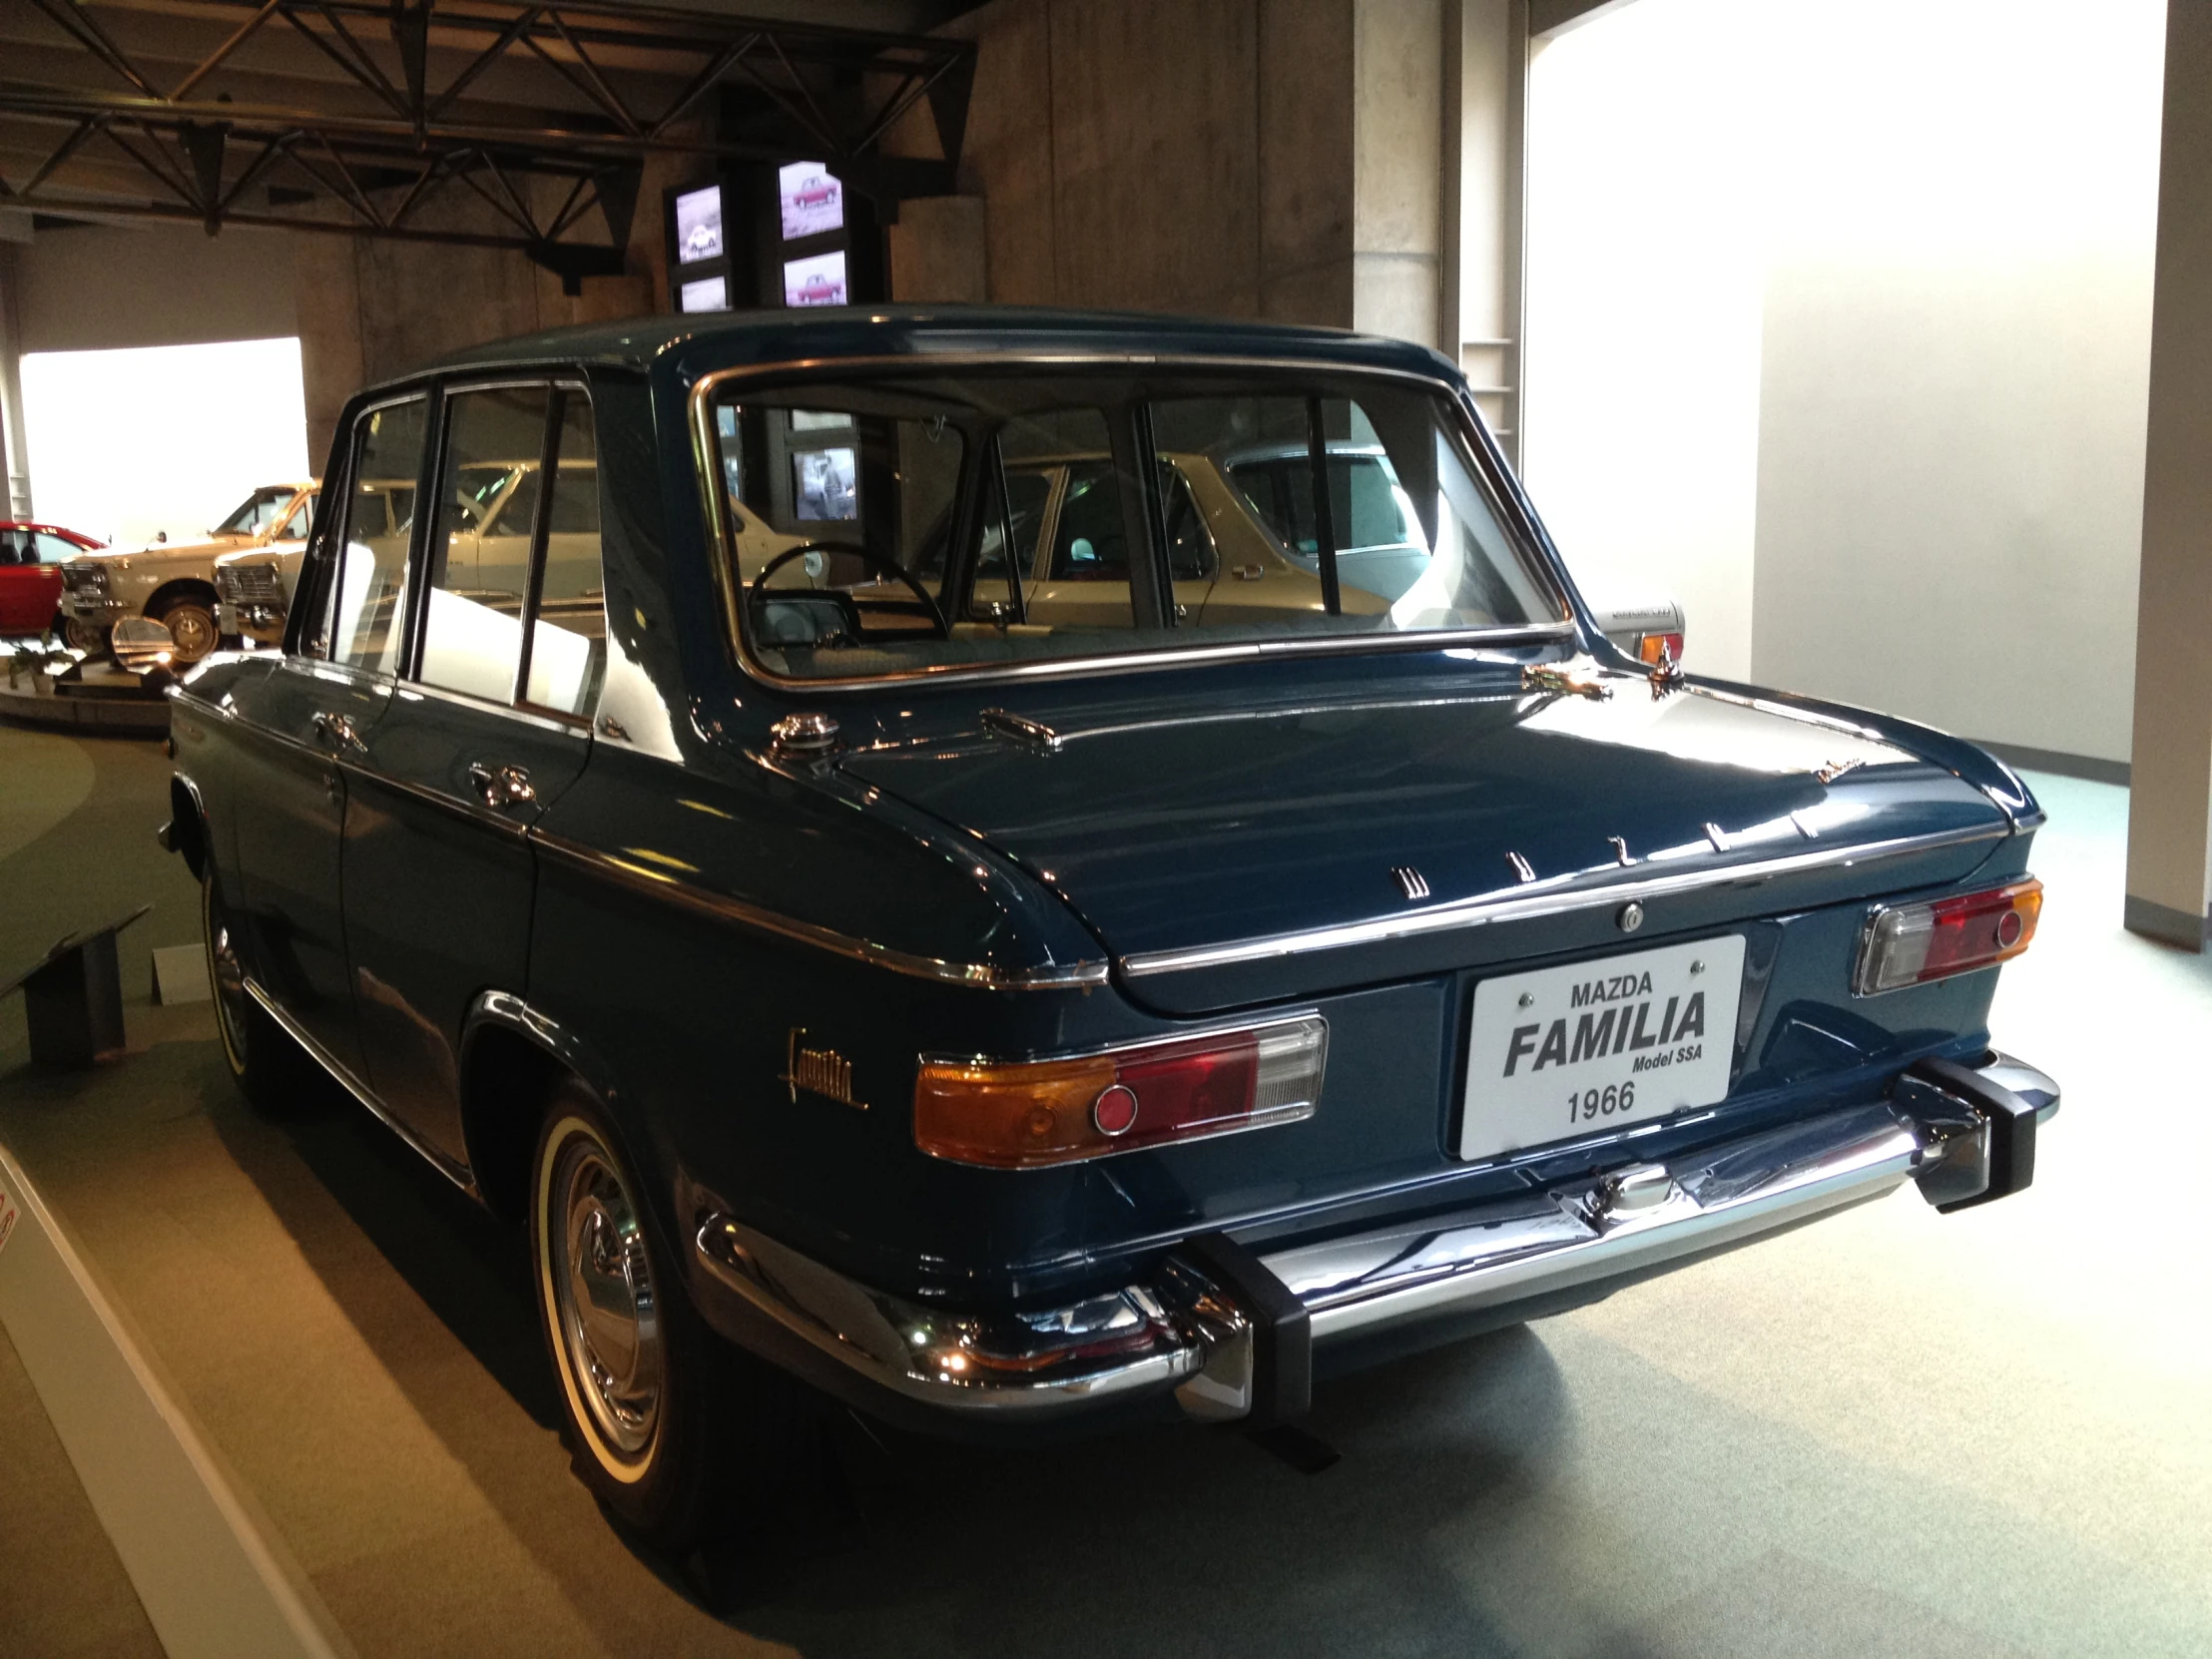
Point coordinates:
[(823, 485), (815, 280), (812, 201), (709, 293), (699, 225)]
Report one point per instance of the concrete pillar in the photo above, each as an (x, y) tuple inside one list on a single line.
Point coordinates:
[(1487, 69), (1398, 169), (15, 463), (2169, 831)]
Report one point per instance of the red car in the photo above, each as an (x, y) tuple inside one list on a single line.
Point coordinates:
[(30, 558)]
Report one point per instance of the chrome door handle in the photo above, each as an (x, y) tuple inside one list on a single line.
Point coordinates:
[(502, 786), (338, 731)]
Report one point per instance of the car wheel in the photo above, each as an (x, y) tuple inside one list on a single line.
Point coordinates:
[(264, 1062), (666, 1421), (86, 637), (191, 628)]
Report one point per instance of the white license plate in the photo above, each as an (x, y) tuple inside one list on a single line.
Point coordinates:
[(1572, 1051)]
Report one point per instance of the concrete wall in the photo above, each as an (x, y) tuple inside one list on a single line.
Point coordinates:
[(363, 309), (1640, 404), (1956, 351), (2169, 831), (1238, 158), (1839, 326), (95, 288)]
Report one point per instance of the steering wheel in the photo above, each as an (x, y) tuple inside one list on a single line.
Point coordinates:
[(921, 605)]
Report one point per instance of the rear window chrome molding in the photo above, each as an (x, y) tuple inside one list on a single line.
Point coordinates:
[(1563, 894), (1516, 518), (985, 977)]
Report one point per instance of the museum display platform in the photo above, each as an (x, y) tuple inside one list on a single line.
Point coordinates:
[(1737, 1460), (92, 695)]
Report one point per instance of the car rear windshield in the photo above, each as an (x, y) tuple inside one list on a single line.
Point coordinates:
[(928, 522)]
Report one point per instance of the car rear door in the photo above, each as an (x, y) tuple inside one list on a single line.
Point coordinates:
[(482, 735)]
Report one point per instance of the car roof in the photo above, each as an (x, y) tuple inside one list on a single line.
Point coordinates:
[(51, 529), (701, 342)]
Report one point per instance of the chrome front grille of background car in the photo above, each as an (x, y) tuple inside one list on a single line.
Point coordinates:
[(249, 584)]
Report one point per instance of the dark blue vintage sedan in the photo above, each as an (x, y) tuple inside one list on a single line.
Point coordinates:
[(895, 848)]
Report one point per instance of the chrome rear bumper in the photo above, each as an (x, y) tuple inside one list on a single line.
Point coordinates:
[(1209, 1341)]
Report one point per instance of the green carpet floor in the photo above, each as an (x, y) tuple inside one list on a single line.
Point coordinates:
[(1892, 1432)]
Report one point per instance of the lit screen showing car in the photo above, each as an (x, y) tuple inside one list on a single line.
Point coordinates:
[(699, 225), (818, 280), (709, 293), (812, 201), (821, 485)]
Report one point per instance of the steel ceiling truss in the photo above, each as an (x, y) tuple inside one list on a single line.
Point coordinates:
[(407, 121)]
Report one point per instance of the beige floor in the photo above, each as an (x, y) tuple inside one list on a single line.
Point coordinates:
[(63, 1593), (1889, 1434)]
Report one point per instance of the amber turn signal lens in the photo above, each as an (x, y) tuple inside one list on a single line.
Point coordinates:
[(1910, 944), (1025, 1113), (1650, 646)]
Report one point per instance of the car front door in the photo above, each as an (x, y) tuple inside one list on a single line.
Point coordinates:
[(483, 735), (304, 731)]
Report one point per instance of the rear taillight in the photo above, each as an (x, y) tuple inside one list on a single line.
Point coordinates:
[(1021, 1114), (1650, 647), (1909, 944)]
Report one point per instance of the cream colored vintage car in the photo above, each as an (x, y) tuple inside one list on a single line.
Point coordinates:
[(173, 581), (488, 533)]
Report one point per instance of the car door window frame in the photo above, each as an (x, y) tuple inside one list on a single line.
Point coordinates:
[(559, 388), (311, 628)]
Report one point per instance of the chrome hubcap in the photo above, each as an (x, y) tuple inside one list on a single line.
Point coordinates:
[(192, 631), (609, 1311)]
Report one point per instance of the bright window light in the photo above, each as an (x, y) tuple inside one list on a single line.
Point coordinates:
[(128, 445)]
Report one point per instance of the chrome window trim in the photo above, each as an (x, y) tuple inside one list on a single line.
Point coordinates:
[(721, 906), (1510, 505), (1577, 890)]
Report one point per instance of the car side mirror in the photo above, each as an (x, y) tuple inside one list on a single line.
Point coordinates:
[(1644, 627), (140, 643)]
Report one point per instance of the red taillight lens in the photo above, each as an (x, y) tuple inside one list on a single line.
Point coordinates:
[(1022, 1114), (1649, 647), (1909, 944)]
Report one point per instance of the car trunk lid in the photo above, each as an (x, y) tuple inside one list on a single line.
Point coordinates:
[(1244, 854)]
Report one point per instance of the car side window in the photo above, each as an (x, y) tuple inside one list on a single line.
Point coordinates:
[(1190, 546), (372, 571), (296, 527), (568, 633), (49, 550), (474, 586), (1090, 544), (480, 594)]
